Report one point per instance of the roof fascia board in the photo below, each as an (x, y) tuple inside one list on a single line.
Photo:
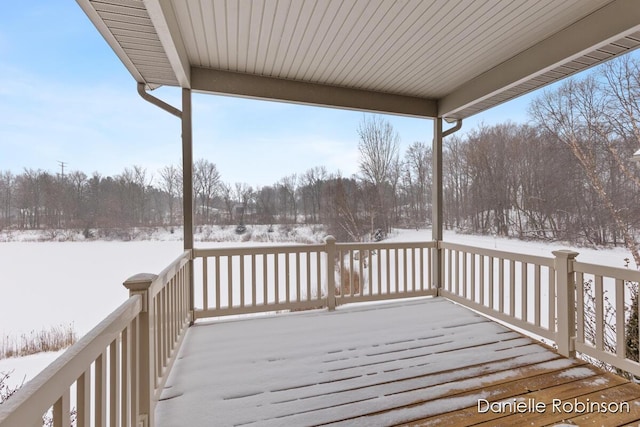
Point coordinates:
[(97, 21), (270, 88), (601, 27), (164, 20)]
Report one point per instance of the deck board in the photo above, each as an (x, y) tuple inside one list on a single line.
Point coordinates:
[(414, 363)]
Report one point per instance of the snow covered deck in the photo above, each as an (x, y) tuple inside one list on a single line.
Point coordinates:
[(421, 362)]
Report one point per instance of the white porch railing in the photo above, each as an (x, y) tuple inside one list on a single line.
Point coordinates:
[(604, 304), (580, 307), (114, 375), (258, 279), (517, 289), (381, 271), (262, 279)]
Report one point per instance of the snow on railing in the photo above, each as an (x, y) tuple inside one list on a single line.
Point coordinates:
[(115, 373), (273, 278)]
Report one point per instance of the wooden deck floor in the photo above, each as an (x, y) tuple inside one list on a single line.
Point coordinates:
[(420, 363)]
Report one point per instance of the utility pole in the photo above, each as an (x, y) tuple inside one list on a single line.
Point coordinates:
[(62, 165)]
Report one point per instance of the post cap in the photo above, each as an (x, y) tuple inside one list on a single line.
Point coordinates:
[(140, 281), (565, 253), (329, 238)]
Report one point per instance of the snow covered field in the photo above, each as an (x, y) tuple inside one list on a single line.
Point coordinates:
[(46, 284)]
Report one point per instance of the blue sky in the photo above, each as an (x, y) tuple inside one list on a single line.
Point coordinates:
[(65, 96)]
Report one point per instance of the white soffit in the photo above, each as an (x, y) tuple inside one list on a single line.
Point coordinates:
[(422, 58)]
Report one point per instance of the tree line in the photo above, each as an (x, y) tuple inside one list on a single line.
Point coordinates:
[(566, 175)]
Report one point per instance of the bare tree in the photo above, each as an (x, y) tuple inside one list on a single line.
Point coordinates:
[(141, 184), (7, 190), (170, 184), (341, 208), (206, 184), (287, 188), (31, 194), (266, 204), (378, 148), (456, 181), (243, 196), (577, 115), (311, 182), (622, 92), (78, 182), (128, 196), (226, 191), (417, 179)]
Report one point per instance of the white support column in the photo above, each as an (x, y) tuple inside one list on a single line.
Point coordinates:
[(187, 186), (436, 204), (187, 169)]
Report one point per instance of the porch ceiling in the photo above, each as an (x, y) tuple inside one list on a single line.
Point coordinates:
[(420, 58)]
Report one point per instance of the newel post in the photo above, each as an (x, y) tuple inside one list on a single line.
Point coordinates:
[(330, 242), (145, 406), (566, 302)]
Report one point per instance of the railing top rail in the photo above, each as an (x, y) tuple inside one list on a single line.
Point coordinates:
[(607, 271), (302, 248), (530, 259), (385, 245), (258, 250), (169, 272), (37, 396)]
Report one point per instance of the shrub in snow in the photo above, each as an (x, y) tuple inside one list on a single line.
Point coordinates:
[(349, 280), (5, 390), (52, 339), (609, 326)]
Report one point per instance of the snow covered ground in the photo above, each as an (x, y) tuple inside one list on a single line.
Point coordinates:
[(46, 284)]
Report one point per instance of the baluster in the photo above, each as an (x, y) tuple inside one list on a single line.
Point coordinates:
[(242, 292), (254, 296), (579, 308), (512, 288), (537, 286), (621, 344), (298, 284), (217, 284), (205, 284), (599, 298), (265, 280), (62, 411), (230, 280), (114, 382), (100, 384), (524, 290), (83, 399), (287, 281), (472, 277)]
